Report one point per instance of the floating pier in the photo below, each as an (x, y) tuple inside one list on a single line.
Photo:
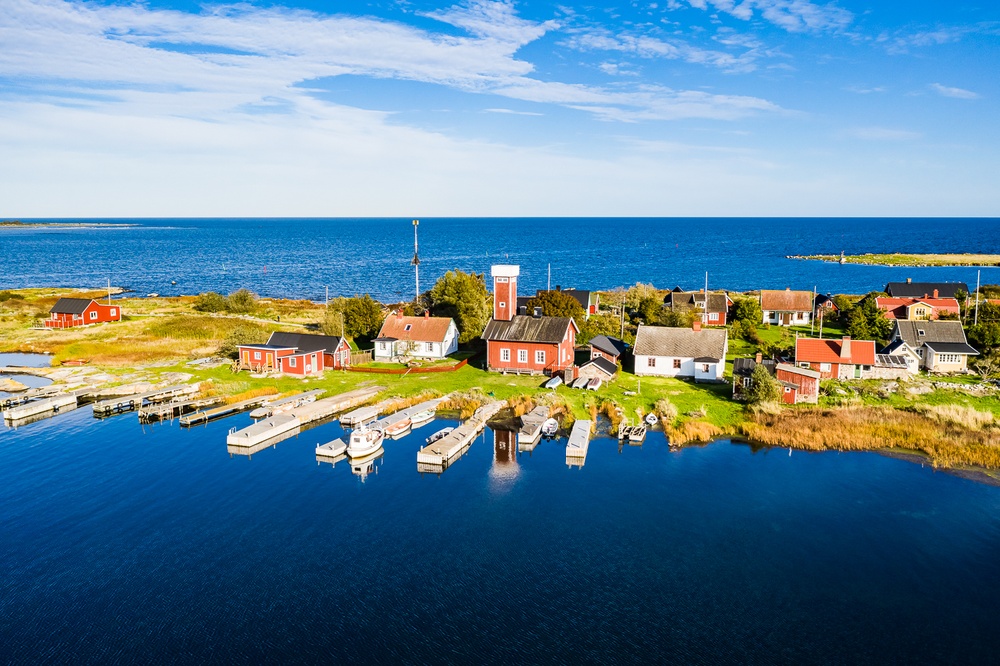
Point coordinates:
[(531, 425), (129, 403), (579, 442), (335, 449), (437, 456), (273, 407), (248, 451), (207, 415), (431, 404), (632, 433), (275, 426), (46, 406), (175, 408)]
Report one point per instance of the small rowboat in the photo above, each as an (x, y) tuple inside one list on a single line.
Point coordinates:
[(651, 419), (440, 434), (594, 384), (581, 382), (554, 382), (398, 429), (422, 417), (550, 428)]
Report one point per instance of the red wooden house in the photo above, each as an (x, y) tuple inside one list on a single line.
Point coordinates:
[(837, 359), (297, 354), (69, 312), (797, 384), (523, 343)]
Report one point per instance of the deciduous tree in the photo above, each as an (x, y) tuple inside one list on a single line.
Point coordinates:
[(463, 297)]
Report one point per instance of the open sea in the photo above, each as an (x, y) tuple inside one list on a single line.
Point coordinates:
[(302, 257), (122, 543)]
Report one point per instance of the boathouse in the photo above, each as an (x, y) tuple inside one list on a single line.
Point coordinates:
[(70, 312), (522, 343)]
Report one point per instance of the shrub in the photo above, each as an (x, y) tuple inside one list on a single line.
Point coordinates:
[(211, 301), (666, 410), (10, 296), (242, 334), (242, 301)]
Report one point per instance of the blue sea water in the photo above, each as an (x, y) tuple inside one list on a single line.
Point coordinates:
[(128, 544), (302, 257)]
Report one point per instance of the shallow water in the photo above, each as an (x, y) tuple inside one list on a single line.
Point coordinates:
[(135, 544)]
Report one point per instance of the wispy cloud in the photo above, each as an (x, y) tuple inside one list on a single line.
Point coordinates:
[(513, 112), (882, 134), (901, 42), (957, 93), (601, 39), (790, 15), (862, 90)]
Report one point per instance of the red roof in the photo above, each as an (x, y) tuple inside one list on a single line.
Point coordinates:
[(421, 329), (895, 308), (813, 350)]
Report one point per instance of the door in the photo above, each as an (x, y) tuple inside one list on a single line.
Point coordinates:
[(857, 372)]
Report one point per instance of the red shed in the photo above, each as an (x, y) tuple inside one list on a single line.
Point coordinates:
[(69, 312)]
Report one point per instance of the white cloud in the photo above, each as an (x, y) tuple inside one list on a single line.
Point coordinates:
[(957, 93), (600, 39), (791, 15), (862, 90), (513, 112)]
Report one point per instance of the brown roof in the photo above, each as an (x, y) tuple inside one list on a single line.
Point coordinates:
[(786, 300), (523, 328), (421, 329)]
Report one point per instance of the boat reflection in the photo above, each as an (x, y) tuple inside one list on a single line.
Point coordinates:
[(369, 464)]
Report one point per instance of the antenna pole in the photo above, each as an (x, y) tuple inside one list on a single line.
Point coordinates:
[(416, 260), (975, 319)]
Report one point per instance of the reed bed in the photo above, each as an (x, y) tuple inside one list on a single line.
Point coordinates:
[(465, 404), (613, 412), (251, 393), (694, 431), (521, 404), (946, 444), (666, 411), (961, 415), (401, 403)]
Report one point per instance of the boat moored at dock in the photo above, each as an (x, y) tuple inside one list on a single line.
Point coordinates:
[(364, 441)]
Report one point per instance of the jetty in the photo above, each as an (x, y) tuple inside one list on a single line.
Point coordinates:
[(531, 425), (632, 433), (579, 442), (174, 408), (248, 451), (130, 403), (279, 424), (331, 450), (272, 407), (44, 407), (436, 457), (396, 417), (207, 415)]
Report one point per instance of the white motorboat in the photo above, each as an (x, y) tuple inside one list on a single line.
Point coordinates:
[(363, 441), (651, 419), (421, 417), (550, 427), (440, 434), (365, 465)]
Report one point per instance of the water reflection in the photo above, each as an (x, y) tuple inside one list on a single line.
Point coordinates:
[(505, 468), (363, 466)]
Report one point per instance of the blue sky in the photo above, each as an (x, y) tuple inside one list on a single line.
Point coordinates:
[(673, 107)]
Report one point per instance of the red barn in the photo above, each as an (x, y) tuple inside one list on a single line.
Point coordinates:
[(797, 384), (521, 343), (69, 312)]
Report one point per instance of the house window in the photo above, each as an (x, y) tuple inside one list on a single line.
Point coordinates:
[(949, 358), (430, 346), (381, 346), (408, 327), (114, 312), (713, 316), (503, 304), (291, 361), (651, 362), (677, 363), (540, 357), (920, 352), (522, 355), (256, 356), (704, 367), (920, 332), (824, 367), (501, 279), (93, 315), (803, 364), (505, 355)]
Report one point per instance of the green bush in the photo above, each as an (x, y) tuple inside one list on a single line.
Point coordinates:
[(242, 334), (242, 301), (211, 301)]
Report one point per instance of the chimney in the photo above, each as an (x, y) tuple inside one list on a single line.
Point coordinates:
[(759, 358), (935, 293), (536, 313), (845, 347), (427, 314), (909, 280), (399, 313), (523, 310), (926, 294), (504, 291), (696, 326)]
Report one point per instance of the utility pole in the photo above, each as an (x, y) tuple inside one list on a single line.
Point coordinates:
[(416, 260), (548, 285), (109, 291), (704, 310), (975, 319), (812, 319)]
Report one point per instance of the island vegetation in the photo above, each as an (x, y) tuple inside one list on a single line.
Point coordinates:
[(949, 421), (906, 259)]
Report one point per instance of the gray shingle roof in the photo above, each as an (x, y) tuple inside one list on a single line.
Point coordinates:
[(933, 331), (683, 301), (608, 345), (920, 289), (305, 342), (71, 305), (604, 364), (523, 328), (680, 342)]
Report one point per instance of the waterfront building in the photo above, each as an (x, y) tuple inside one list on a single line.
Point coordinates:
[(416, 337), (70, 312), (836, 359)]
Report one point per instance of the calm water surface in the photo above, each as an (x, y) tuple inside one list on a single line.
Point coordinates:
[(300, 258), (129, 544)]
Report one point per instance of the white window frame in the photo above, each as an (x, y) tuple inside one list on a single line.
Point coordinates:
[(540, 357), (504, 355), (502, 280), (825, 367), (503, 304), (256, 356), (678, 363), (522, 355), (114, 312), (93, 314), (430, 346), (713, 316), (291, 362)]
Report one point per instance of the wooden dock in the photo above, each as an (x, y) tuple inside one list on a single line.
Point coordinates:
[(431, 404), (335, 449), (531, 425), (46, 406), (578, 444), (174, 408), (437, 456), (277, 425), (271, 442), (207, 415), (130, 403), (285, 404), (632, 433)]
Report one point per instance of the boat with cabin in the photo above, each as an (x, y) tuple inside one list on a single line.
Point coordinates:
[(550, 428), (364, 441)]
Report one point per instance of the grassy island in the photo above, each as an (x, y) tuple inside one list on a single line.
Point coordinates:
[(950, 421), (899, 259)]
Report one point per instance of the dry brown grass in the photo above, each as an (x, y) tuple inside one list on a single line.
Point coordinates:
[(872, 428), (465, 404), (521, 404), (401, 403), (613, 412), (693, 431), (666, 410), (251, 393), (961, 415)]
